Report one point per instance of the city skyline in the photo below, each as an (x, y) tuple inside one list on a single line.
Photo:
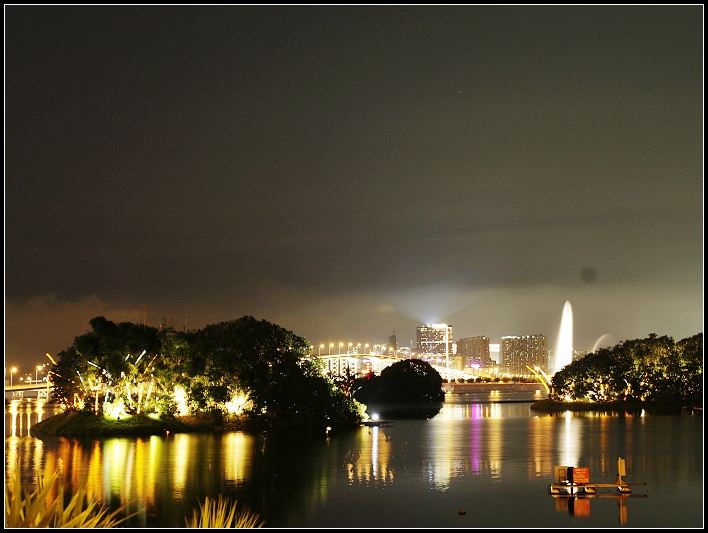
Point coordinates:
[(349, 171)]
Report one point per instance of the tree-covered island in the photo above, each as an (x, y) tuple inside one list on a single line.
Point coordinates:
[(241, 374), (657, 373)]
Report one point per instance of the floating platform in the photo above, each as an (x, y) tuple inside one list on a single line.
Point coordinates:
[(589, 489), (371, 423), (575, 481)]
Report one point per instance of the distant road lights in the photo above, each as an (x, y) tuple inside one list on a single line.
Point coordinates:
[(331, 345), (367, 347)]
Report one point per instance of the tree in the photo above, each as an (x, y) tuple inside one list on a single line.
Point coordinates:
[(66, 378), (655, 369), (111, 362), (272, 366), (411, 380), (263, 362)]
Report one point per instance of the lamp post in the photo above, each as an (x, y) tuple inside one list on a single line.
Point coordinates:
[(36, 370), (12, 371), (340, 347), (319, 351), (331, 344)]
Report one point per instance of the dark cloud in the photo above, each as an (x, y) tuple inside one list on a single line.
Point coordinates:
[(352, 170)]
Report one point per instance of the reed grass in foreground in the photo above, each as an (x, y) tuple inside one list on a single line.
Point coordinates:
[(222, 513), (44, 507)]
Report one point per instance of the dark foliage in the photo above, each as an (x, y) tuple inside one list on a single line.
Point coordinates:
[(411, 380), (655, 369)]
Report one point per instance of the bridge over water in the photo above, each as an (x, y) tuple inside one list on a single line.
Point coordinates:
[(337, 365), (359, 364), (35, 390)]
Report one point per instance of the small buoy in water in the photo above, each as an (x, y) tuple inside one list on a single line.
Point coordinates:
[(461, 512)]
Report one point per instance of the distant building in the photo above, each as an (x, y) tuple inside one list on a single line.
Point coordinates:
[(404, 352), (392, 342), (577, 355), (431, 344), (474, 352), (517, 352), (494, 353), (431, 339)]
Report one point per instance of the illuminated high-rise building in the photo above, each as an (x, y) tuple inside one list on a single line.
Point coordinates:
[(432, 338), (474, 352), (517, 352), (436, 347)]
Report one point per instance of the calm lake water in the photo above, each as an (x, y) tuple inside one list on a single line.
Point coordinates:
[(480, 461)]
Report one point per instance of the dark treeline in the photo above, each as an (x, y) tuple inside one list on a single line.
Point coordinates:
[(264, 375), (655, 369), (246, 366)]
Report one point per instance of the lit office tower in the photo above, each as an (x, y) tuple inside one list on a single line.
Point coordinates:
[(392, 342), (431, 341), (517, 352), (474, 352)]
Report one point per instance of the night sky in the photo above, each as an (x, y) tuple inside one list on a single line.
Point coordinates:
[(352, 172)]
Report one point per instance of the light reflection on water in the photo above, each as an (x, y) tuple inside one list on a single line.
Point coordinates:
[(494, 459)]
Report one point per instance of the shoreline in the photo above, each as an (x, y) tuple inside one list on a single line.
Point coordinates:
[(82, 424), (620, 406)]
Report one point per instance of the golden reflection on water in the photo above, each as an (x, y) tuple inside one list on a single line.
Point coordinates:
[(467, 440), (22, 414), (180, 448), (116, 471), (238, 450), (369, 465), (464, 411), (540, 435)]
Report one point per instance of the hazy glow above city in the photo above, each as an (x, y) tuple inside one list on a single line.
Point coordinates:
[(347, 172)]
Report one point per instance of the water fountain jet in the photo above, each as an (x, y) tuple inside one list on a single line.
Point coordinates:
[(564, 348), (606, 339)]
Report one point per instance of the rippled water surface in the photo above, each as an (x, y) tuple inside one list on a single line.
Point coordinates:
[(478, 461)]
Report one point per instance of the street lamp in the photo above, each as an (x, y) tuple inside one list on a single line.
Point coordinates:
[(340, 347), (350, 348), (331, 345), (36, 370), (319, 352), (12, 371)]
